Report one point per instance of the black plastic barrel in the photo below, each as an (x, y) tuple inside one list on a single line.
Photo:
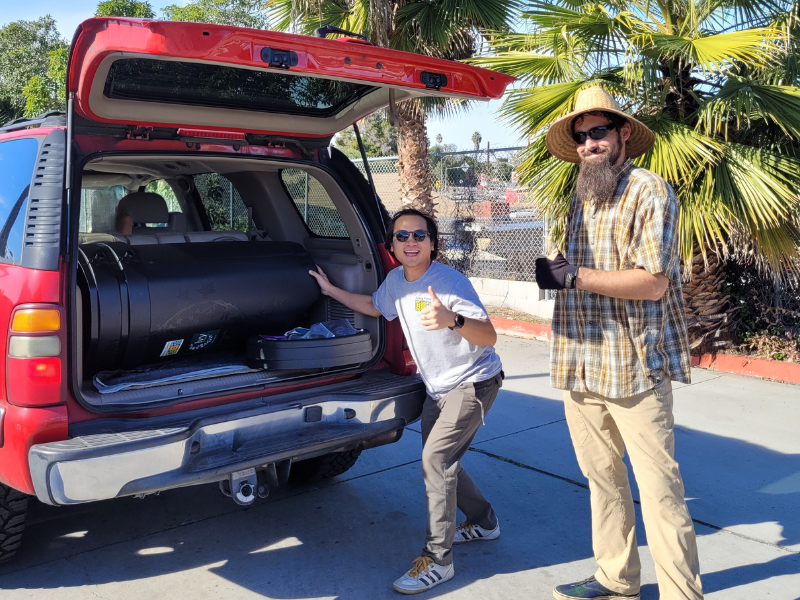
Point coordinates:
[(143, 304)]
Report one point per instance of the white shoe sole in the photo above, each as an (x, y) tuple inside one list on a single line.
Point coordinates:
[(492, 536)]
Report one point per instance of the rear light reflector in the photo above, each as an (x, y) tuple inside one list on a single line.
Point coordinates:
[(23, 346), (2, 418), (36, 319), (34, 359), (34, 382)]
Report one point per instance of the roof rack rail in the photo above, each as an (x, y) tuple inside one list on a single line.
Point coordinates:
[(54, 118)]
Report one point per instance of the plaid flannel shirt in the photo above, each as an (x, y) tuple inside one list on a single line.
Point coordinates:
[(612, 347)]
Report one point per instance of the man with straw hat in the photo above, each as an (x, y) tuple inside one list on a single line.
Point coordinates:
[(619, 339)]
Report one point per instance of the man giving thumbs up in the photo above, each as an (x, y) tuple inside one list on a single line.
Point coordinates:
[(452, 341)]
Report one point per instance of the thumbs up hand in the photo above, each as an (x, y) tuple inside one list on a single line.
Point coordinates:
[(435, 315)]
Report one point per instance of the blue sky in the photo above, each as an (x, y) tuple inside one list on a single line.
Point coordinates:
[(455, 130)]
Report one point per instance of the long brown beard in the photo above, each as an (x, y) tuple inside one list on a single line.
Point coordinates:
[(598, 179)]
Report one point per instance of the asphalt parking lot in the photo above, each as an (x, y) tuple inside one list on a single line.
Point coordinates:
[(350, 537)]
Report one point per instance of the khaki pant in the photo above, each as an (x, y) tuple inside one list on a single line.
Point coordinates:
[(448, 427), (644, 423)]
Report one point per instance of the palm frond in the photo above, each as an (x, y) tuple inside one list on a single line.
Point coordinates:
[(741, 101), (530, 109), (488, 14), (679, 151), (551, 185), (530, 68), (421, 21), (713, 53), (738, 14), (756, 187)]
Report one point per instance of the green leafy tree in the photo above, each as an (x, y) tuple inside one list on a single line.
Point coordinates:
[(378, 136), (28, 50), (239, 13), (440, 28), (45, 93), (715, 79), (125, 8)]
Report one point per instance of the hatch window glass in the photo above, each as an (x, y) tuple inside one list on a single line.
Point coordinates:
[(223, 204), (314, 204), (17, 160), (200, 84), (99, 205)]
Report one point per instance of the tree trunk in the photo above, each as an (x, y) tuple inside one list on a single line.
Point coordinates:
[(709, 310), (412, 163)]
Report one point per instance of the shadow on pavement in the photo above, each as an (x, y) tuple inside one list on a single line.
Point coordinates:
[(351, 538)]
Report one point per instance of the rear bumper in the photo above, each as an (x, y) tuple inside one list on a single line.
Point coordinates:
[(119, 461)]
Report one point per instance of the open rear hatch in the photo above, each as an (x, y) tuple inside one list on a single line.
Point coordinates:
[(186, 81), (200, 76)]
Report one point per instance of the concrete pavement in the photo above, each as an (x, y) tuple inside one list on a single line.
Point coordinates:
[(351, 537)]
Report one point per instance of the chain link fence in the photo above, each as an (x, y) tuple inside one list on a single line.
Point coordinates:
[(487, 224)]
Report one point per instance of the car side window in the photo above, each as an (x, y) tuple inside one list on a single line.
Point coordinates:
[(314, 204), (223, 204), (17, 160)]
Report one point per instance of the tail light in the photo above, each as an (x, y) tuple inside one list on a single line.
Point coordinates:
[(34, 356)]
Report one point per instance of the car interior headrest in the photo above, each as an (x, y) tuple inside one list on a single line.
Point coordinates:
[(145, 207)]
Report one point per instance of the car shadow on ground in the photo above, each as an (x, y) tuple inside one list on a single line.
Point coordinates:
[(350, 538)]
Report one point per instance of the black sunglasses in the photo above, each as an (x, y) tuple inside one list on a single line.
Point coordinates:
[(596, 133), (402, 235)]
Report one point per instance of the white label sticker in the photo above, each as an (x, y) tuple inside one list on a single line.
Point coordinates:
[(244, 473), (171, 348)]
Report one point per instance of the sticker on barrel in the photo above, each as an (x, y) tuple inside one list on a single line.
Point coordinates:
[(172, 348)]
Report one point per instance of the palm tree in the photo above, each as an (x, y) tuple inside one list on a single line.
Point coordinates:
[(440, 28), (476, 140), (717, 80)]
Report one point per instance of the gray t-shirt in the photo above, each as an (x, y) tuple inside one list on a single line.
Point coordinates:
[(444, 358)]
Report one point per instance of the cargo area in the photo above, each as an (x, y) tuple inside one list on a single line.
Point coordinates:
[(191, 271)]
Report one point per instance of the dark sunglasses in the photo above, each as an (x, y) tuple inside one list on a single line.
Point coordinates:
[(596, 133), (403, 235)]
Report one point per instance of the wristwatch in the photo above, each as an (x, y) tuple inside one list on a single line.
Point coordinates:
[(459, 322)]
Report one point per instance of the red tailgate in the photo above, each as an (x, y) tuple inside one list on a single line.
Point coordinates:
[(170, 74)]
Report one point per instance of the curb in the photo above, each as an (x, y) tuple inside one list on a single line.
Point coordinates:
[(724, 363), (749, 367), (522, 329)]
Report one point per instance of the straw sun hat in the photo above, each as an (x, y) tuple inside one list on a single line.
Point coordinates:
[(559, 138)]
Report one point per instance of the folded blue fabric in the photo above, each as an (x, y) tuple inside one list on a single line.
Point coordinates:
[(319, 331)]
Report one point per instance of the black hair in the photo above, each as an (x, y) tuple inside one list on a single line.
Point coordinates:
[(433, 230)]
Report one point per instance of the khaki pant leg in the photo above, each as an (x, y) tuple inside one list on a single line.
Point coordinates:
[(599, 450), (448, 431), (646, 424)]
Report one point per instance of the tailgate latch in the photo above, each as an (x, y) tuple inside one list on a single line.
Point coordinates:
[(282, 59), (433, 81), (139, 132)]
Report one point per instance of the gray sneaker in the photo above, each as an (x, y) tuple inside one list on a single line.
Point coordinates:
[(588, 589)]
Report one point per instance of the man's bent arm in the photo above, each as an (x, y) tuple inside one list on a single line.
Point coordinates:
[(630, 284), (361, 303), (480, 332)]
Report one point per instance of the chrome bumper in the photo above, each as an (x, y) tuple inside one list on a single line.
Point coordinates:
[(100, 466)]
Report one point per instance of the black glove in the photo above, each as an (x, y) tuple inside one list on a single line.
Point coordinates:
[(555, 274)]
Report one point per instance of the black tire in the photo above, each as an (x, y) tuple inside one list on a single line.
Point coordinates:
[(323, 467), (13, 510)]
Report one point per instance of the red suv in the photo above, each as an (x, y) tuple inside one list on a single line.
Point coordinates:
[(155, 252)]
